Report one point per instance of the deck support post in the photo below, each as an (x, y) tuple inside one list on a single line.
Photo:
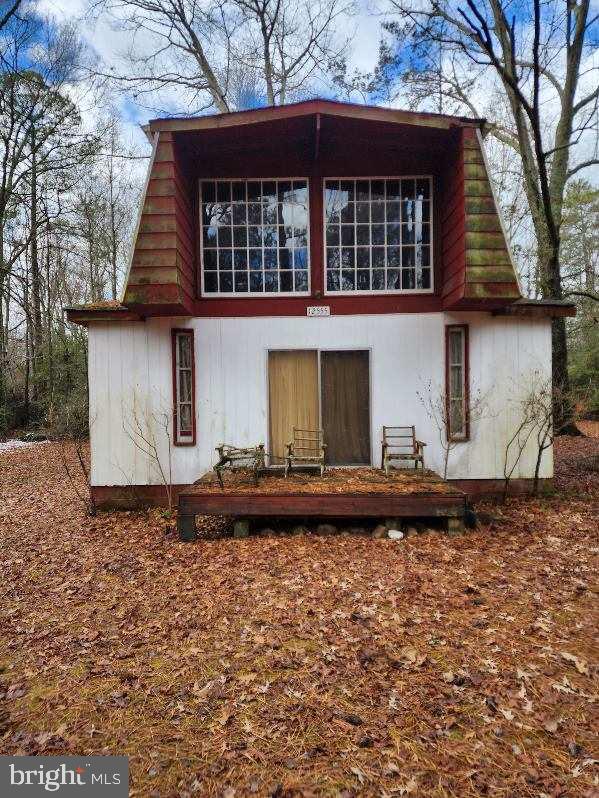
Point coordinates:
[(455, 526), (241, 528), (186, 526)]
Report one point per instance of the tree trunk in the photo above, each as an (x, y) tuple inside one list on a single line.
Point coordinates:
[(36, 301), (552, 289)]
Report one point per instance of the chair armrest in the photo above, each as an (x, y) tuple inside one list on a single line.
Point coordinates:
[(420, 443), (289, 448)]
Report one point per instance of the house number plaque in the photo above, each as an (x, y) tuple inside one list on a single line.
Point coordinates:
[(318, 310)]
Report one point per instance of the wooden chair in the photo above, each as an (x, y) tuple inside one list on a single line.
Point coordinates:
[(400, 444), (306, 450), (232, 458)]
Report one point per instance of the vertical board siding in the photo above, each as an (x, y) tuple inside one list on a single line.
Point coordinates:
[(407, 355)]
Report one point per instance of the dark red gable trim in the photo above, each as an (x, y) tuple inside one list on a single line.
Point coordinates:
[(175, 331), (448, 329)]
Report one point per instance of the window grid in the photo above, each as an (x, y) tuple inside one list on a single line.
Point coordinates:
[(255, 237), (378, 235)]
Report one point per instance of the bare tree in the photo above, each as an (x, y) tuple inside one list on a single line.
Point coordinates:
[(145, 430), (519, 439), (537, 59), (204, 48), (438, 408), (7, 10)]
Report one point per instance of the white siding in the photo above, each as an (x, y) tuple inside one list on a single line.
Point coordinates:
[(130, 365)]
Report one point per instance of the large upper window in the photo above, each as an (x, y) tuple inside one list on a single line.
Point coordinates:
[(254, 237), (378, 235)]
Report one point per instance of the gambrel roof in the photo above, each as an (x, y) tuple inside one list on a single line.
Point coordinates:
[(476, 272)]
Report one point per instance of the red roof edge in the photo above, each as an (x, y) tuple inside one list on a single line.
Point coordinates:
[(307, 107)]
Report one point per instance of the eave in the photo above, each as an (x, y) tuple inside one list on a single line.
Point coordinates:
[(311, 107), (84, 314), (538, 308)]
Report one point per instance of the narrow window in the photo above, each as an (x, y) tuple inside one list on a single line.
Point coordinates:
[(183, 388), (456, 388)]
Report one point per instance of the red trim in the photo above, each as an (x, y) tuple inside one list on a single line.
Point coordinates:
[(466, 381), (125, 497), (176, 331), (306, 107), (296, 306)]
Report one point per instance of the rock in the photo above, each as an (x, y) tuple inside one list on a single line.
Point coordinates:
[(326, 529), (300, 529), (356, 530), (267, 532), (241, 529), (395, 534), (574, 749), (392, 523), (379, 531), (410, 531), (488, 519)]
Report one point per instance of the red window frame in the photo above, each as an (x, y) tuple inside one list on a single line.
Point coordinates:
[(178, 438), (451, 436)]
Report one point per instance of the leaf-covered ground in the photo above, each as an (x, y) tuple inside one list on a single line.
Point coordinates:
[(298, 666)]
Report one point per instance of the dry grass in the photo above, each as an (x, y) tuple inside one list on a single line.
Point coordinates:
[(304, 666)]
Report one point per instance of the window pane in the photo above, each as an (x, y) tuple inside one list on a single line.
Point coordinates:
[(225, 282), (240, 214), (256, 281), (455, 347), (301, 281), (332, 280), (184, 342), (241, 281), (300, 259), (348, 280), (455, 382), (211, 282), (456, 417), (347, 235), (286, 281), (209, 260), (223, 192), (185, 385), (255, 226), (332, 235), (208, 191), (238, 191), (185, 426), (271, 281)]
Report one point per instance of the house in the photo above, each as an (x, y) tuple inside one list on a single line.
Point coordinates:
[(319, 264)]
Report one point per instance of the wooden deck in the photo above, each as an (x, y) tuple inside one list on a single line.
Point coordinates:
[(339, 493)]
